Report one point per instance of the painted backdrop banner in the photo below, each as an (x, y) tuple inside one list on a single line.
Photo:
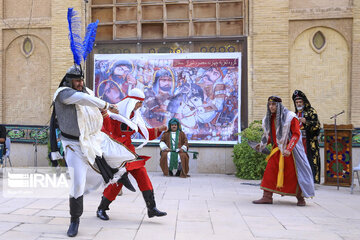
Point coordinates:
[(202, 90)]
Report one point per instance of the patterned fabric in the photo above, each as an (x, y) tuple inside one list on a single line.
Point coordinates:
[(312, 129), (342, 167)]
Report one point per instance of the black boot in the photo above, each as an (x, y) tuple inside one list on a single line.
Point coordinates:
[(74, 227), (104, 205), (171, 173), (125, 181), (178, 172), (76, 210), (151, 205)]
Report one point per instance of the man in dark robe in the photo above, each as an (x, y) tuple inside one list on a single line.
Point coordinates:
[(310, 129)]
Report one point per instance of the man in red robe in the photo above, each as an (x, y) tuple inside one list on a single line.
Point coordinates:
[(120, 127), (288, 171)]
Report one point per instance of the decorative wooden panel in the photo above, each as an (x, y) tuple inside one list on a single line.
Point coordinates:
[(177, 11), (126, 31), (230, 9), (204, 10), (177, 29), (101, 2), (152, 30), (205, 28), (104, 33), (229, 28), (105, 15), (126, 13), (338, 168), (151, 1), (152, 12), (126, 1), (149, 19)]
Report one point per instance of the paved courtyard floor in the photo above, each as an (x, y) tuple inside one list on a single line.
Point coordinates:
[(204, 206)]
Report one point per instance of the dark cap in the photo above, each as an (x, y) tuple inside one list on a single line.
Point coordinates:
[(298, 95)]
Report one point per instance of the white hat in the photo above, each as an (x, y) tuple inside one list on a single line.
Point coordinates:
[(126, 107)]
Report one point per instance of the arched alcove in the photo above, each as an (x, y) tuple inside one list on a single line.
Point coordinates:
[(322, 73), (26, 81)]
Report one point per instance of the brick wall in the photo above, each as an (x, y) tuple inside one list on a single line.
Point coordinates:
[(268, 54), (61, 57), (355, 74), (273, 27)]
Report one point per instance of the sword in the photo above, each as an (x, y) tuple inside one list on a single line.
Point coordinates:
[(193, 152), (253, 145)]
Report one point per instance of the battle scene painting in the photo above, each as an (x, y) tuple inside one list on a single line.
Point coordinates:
[(200, 89)]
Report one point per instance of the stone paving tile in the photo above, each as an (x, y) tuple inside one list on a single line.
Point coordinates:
[(156, 228), (207, 236), (54, 236), (15, 235), (57, 230), (248, 209), (128, 222), (263, 223), (294, 221), (115, 233), (313, 209), (194, 226), (223, 223), (26, 211), (300, 234), (193, 210), (15, 204), (23, 218), (200, 207), (51, 238), (339, 210), (285, 210), (46, 203), (6, 226), (60, 220), (173, 194)]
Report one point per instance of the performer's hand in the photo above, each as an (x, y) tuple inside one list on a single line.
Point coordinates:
[(113, 108), (181, 150), (162, 128), (286, 153), (257, 147), (303, 120), (167, 150)]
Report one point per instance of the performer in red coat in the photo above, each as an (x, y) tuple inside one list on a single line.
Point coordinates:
[(287, 171), (120, 127)]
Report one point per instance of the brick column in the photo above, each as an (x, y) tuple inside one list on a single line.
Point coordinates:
[(268, 54), (355, 75)]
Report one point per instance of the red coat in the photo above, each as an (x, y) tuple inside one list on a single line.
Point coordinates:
[(269, 180), (121, 133)]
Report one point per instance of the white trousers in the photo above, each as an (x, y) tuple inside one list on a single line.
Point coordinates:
[(81, 173)]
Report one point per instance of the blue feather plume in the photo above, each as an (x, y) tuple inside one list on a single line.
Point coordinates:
[(89, 38), (75, 35)]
